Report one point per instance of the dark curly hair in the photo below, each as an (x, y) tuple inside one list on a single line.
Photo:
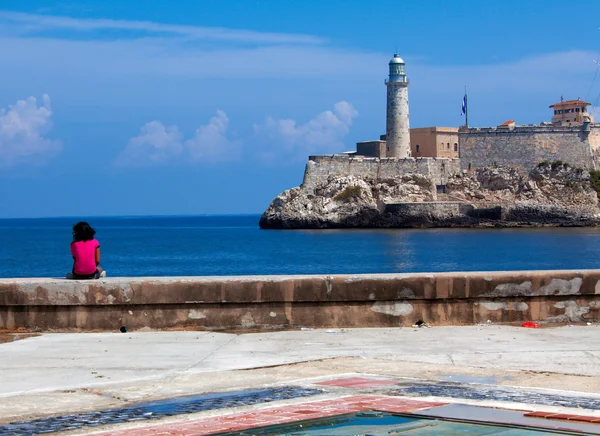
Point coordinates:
[(83, 232)]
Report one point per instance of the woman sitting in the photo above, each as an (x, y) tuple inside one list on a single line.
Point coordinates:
[(85, 250)]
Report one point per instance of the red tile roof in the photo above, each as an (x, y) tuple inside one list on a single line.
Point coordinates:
[(508, 123), (570, 102)]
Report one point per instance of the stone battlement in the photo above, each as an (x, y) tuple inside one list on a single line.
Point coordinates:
[(320, 168), (267, 302), (527, 146), (527, 129)]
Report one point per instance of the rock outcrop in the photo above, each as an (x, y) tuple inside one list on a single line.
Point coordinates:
[(551, 194)]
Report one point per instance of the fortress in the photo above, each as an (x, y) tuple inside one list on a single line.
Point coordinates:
[(440, 152), (509, 175)]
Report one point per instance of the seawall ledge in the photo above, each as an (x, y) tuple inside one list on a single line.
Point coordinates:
[(289, 301), (279, 277)]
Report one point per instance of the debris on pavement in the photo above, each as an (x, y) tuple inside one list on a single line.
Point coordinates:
[(531, 325), (420, 323)]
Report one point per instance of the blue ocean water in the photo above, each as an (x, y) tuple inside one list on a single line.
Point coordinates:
[(234, 245)]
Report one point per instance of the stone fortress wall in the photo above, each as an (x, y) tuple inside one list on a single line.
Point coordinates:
[(320, 168), (527, 146), (521, 146)]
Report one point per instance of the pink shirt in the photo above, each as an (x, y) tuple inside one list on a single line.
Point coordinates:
[(84, 253)]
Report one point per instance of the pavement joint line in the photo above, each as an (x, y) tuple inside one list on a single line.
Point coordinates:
[(451, 359), (209, 354), (296, 362), (592, 355), (76, 387)]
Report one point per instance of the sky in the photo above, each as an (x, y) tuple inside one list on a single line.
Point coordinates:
[(112, 108)]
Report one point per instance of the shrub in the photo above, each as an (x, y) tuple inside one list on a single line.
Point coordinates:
[(558, 163), (349, 193), (554, 165), (595, 181)]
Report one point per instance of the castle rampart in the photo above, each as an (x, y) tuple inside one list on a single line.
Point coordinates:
[(320, 168), (527, 146)]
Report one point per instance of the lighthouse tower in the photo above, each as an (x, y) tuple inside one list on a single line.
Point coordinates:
[(397, 127)]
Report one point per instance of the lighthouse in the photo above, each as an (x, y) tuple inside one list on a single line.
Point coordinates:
[(397, 129)]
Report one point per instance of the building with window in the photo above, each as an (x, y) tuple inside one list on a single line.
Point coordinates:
[(571, 113), (434, 142), (424, 142)]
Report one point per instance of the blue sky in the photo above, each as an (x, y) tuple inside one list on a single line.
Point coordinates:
[(208, 107)]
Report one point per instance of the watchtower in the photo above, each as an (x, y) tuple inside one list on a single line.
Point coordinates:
[(571, 112)]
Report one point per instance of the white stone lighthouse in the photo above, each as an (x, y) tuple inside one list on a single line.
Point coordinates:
[(397, 128)]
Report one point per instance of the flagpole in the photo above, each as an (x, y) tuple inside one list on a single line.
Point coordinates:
[(466, 109)]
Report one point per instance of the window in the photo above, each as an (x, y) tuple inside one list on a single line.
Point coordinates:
[(448, 146), (455, 146), (560, 111), (576, 109), (418, 147), (555, 112)]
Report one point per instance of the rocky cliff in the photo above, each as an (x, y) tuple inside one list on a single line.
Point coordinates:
[(551, 194)]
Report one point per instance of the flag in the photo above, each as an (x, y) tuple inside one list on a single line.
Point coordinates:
[(464, 105)]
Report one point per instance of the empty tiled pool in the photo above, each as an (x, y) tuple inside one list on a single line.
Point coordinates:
[(155, 410), (379, 424)]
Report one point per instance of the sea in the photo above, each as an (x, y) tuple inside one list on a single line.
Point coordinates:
[(234, 245)]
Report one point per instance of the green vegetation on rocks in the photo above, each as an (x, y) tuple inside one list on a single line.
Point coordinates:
[(595, 181), (554, 165), (349, 193)]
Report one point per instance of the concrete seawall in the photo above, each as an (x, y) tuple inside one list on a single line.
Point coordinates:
[(243, 302)]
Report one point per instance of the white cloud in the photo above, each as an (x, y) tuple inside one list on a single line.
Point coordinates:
[(31, 24), (320, 135), (134, 58), (155, 144), (122, 49), (23, 127), (210, 143)]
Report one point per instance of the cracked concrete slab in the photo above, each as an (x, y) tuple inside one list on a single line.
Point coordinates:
[(57, 373), (61, 361)]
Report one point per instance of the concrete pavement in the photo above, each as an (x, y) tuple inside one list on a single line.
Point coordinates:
[(69, 372), (74, 360)]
